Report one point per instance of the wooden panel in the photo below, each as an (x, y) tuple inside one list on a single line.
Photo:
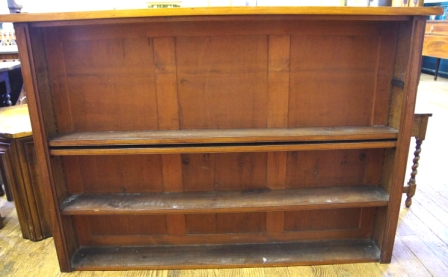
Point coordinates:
[(419, 126), (277, 169), (375, 166), (113, 258), (225, 223), (198, 172), (175, 224), (332, 80), (32, 177), (73, 176), (275, 222), (439, 27), (172, 182), (231, 238), (97, 174), (224, 201), (218, 77), (397, 179), (207, 26), (240, 171), (332, 168), (278, 99), (323, 219), (36, 80), (436, 46), (58, 79), (121, 78), (166, 83), (135, 225), (278, 82), (396, 100), (387, 48), (229, 171), (172, 173)]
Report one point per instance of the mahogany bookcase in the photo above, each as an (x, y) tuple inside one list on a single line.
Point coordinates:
[(222, 137)]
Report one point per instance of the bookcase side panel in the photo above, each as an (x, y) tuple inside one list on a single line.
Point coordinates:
[(406, 78), (37, 85)]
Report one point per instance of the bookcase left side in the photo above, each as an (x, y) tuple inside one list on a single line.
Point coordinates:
[(38, 87)]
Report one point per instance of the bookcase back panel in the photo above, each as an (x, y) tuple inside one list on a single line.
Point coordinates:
[(332, 84), (222, 82), (263, 73), (334, 168), (225, 227), (224, 171), (125, 225), (225, 223), (336, 219), (232, 171), (113, 174)]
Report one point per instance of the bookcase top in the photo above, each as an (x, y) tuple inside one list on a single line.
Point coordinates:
[(221, 11)]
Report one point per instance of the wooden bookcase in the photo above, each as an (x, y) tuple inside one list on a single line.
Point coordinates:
[(222, 137)]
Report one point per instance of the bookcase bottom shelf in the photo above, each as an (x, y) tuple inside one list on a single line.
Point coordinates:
[(224, 256)]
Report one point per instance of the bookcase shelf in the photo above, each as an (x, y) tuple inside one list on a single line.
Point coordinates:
[(305, 134), (222, 148), (225, 201), (225, 256)]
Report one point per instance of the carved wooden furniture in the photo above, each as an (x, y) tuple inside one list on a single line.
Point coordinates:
[(253, 137), (436, 41), (5, 158), (419, 132), (20, 172), (6, 69)]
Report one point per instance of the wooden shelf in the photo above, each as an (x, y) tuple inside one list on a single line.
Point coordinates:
[(212, 256), (225, 201), (305, 134), (222, 148), (205, 11)]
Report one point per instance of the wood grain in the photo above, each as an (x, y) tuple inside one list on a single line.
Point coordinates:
[(407, 117), (204, 74), (435, 46), (222, 148), (220, 11), (94, 258), (22, 257), (223, 201), (223, 136)]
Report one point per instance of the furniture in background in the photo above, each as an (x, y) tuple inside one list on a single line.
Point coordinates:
[(9, 54), (10, 81), (419, 127), (436, 41), (261, 136), (21, 174)]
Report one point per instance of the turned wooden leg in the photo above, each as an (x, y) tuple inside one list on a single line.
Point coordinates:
[(412, 184), (437, 69)]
